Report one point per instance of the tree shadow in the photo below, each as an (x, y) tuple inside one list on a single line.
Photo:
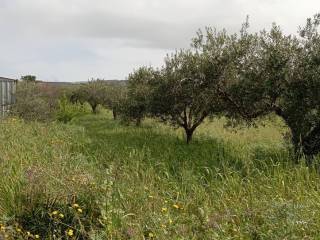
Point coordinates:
[(209, 157)]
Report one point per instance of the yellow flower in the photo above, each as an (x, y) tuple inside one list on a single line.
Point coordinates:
[(75, 205), (79, 210), (2, 228), (55, 212), (70, 232), (151, 235), (165, 201), (28, 233), (18, 229), (176, 206), (164, 209), (150, 196), (61, 215), (163, 226), (36, 236), (170, 221)]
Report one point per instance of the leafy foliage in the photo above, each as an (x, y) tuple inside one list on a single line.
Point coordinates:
[(32, 103), (67, 111), (92, 92), (276, 73), (114, 97), (134, 106), (180, 94), (29, 78)]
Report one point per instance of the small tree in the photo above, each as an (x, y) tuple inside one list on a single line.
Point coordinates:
[(29, 78), (114, 97), (92, 92), (180, 93), (134, 106)]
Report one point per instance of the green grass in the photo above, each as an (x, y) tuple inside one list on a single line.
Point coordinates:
[(146, 183)]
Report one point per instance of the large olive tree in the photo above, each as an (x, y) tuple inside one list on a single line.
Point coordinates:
[(274, 72)]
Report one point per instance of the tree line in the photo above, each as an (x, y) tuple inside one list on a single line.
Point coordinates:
[(243, 76)]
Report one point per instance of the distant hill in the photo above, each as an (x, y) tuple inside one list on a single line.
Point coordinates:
[(117, 82), (65, 84), (112, 82)]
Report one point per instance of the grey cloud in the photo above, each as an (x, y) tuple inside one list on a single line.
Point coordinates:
[(138, 31), (77, 39)]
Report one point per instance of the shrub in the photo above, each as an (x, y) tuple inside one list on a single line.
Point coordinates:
[(67, 111), (92, 92), (31, 104), (114, 97), (134, 103)]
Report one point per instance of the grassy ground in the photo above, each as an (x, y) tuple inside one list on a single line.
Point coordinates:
[(146, 183)]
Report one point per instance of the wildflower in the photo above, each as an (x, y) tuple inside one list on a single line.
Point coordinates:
[(79, 210), (165, 201), (61, 215), (28, 233), (18, 229), (36, 236), (151, 235), (164, 209), (176, 206), (70, 232), (2, 228), (163, 226), (150, 196), (75, 205), (170, 221), (54, 212)]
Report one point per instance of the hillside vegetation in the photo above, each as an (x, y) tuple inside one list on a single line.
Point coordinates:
[(97, 179)]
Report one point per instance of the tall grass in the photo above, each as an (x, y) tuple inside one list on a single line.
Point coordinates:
[(146, 183)]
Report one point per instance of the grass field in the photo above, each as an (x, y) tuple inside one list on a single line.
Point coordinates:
[(97, 179)]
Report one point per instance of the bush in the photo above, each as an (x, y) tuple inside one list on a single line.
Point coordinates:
[(36, 101), (31, 104), (92, 92), (67, 111), (46, 220)]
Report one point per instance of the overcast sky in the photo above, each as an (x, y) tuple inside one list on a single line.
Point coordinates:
[(74, 40)]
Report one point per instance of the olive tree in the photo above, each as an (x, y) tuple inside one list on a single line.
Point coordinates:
[(181, 93), (92, 92), (274, 72), (114, 98), (301, 107), (135, 104)]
